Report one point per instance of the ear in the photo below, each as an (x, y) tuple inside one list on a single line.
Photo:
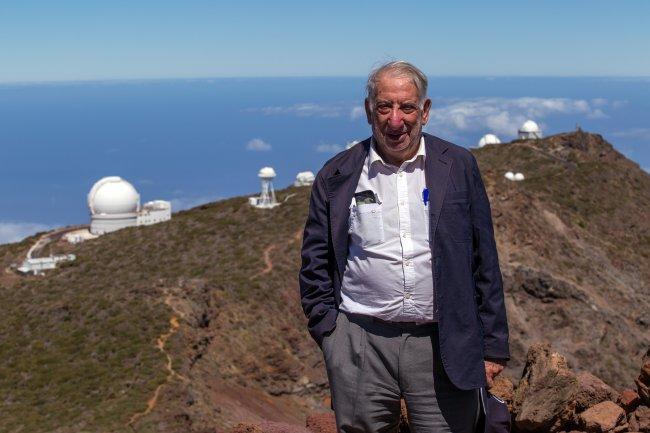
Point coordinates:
[(425, 111), (368, 111)]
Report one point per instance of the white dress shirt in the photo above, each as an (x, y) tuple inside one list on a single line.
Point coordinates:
[(388, 273)]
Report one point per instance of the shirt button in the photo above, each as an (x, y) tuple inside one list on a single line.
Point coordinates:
[(408, 263), (404, 234), (401, 203), (407, 296)]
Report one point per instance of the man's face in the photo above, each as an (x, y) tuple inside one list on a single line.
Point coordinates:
[(397, 118)]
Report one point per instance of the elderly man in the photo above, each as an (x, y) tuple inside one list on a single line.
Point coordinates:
[(400, 278)]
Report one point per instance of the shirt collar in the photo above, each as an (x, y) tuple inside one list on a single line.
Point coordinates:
[(374, 156)]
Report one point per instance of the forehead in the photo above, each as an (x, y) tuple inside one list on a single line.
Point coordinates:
[(396, 88)]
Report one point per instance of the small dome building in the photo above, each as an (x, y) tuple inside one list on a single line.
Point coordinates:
[(266, 199), (488, 139), (529, 130), (304, 178), (114, 204)]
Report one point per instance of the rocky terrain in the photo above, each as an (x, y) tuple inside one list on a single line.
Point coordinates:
[(194, 325), (548, 398)]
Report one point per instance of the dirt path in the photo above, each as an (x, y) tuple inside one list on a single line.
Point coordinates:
[(161, 341), (268, 263)]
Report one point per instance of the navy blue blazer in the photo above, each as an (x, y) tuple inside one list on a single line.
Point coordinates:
[(466, 277)]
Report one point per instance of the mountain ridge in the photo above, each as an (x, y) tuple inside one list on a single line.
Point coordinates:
[(83, 342)]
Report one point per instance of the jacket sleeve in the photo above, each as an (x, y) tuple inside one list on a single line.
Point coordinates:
[(316, 291), (487, 274)]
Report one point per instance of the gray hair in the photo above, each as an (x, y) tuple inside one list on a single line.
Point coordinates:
[(397, 68)]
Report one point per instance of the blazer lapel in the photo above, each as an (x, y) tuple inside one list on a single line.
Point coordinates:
[(437, 168), (340, 189)]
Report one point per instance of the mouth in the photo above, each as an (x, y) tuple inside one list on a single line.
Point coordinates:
[(395, 136)]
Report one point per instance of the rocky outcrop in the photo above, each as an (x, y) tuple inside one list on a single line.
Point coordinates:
[(628, 400), (552, 398), (604, 417), (639, 420), (545, 392)]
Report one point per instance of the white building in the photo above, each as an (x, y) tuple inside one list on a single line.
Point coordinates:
[(529, 130), (154, 212), (267, 199), (488, 139), (514, 176), (115, 204), (38, 265), (304, 178)]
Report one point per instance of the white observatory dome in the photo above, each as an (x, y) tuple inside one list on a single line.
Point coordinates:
[(304, 178), (266, 173), (113, 195), (488, 139), (529, 126)]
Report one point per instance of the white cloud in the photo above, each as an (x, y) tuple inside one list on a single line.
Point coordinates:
[(17, 231), (634, 133), (329, 148), (306, 109), (503, 115), (599, 102), (357, 112), (312, 109), (258, 145)]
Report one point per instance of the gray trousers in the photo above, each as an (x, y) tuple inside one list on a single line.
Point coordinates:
[(371, 364)]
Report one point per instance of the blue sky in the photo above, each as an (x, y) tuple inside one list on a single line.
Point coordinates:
[(87, 40)]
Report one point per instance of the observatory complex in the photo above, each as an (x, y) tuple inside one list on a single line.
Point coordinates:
[(529, 130), (267, 199), (488, 139), (115, 204)]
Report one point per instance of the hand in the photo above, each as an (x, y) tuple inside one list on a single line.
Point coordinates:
[(492, 370)]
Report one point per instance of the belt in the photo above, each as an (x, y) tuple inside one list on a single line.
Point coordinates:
[(411, 325)]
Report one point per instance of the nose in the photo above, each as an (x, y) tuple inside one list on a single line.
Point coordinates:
[(395, 120)]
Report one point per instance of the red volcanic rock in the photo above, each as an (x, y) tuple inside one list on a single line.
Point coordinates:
[(643, 381), (322, 422), (543, 397), (591, 391), (640, 419), (604, 417), (628, 400)]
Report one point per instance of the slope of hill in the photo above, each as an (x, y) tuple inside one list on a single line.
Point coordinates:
[(195, 324)]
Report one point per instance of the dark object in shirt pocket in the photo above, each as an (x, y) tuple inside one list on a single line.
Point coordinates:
[(365, 197)]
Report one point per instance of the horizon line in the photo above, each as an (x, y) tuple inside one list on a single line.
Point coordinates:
[(260, 77)]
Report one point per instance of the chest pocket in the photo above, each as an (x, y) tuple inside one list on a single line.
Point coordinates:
[(367, 224), (456, 215)]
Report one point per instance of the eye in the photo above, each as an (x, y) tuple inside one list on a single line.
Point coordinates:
[(383, 108), (408, 109)]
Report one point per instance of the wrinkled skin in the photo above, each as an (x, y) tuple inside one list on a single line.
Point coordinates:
[(397, 117)]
